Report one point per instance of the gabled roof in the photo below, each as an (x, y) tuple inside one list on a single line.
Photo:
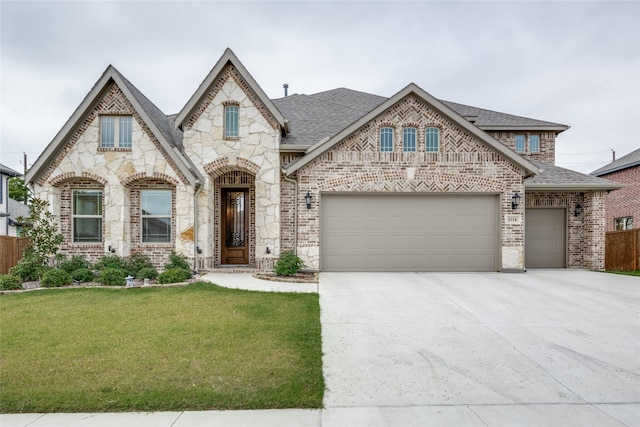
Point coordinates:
[(323, 145), (630, 160), (17, 209), (227, 58), (555, 178), (322, 115), (6, 170), (160, 125)]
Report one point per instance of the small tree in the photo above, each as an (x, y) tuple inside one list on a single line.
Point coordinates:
[(18, 190), (42, 231)]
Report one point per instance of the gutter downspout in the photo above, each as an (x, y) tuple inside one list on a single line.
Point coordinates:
[(295, 211), (199, 187)]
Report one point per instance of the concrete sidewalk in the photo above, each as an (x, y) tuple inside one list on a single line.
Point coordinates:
[(545, 348)]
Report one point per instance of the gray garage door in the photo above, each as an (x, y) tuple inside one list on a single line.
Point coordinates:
[(545, 238), (402, 232)]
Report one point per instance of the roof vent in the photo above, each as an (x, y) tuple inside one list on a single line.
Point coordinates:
[(471, 119), (286, 89)]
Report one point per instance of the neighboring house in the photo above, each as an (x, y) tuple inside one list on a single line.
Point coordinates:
[(348, 180), (8, 212), (623, 206)]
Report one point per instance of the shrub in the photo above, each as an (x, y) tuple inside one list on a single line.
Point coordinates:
[(147, 273), (174, 275), (288, 264), (111, 261), (31, 267), (75, 263), (55, 278), (83, 275), (178, 261), (136, 262), (112, 277), (9, 282)]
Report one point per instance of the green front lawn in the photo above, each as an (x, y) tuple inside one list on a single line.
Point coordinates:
[(196, 347)]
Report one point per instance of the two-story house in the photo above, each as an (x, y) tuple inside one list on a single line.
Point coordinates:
[(350, 181), (623, 206)]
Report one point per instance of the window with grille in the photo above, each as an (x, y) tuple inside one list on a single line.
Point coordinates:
[(386, 139), (116, 131), (409, 139), (432, 140)]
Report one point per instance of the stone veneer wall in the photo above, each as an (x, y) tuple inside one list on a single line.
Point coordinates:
[(547, 153), (82, 163), (463, 165), (585, 232), (626, 201), (255, 150)]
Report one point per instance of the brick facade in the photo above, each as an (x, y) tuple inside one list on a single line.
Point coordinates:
[(626, 201), (547, 152)]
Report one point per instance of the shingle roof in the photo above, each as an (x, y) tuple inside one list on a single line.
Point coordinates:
[(163, 122), (624, 162), (322, 115), (553, 177), (6, 170), (17, 209)]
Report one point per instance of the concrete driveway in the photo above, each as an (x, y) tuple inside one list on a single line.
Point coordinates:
[(548, 347)]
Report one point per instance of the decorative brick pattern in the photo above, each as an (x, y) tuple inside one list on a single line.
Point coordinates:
[(462, 165), (143, 175), (222, 165), (626, 201)]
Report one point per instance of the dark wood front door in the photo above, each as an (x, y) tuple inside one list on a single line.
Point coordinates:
[(235, 226)]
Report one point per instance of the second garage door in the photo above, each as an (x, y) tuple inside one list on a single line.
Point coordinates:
[(409, 232), (544, 239)]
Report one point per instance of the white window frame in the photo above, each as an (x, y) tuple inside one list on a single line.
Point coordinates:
[(143, 236), (75, 216), (119, 123), (231, 132)]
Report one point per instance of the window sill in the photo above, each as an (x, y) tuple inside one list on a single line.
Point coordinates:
[(114, 149)]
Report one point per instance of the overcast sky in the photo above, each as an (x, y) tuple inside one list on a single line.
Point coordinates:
[(575, 63)]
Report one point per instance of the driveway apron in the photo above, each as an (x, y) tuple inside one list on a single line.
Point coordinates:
[(559, 347)]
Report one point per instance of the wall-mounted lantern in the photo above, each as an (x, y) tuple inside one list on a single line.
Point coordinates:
[(578, 210), (515, 201), (307, 198)]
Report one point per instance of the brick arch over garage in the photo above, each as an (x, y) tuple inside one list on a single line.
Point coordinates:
[(397, 181), (224, 165)]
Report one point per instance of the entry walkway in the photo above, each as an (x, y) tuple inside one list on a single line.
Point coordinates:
[(544, 348)]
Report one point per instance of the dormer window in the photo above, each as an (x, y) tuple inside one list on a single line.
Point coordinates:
[(231, 121), (116, 131)]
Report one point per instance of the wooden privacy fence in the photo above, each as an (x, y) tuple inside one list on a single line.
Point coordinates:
[(11, 249), (622, 250)]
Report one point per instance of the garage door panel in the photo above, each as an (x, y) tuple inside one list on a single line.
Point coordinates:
[(409, 232), (545, 238)]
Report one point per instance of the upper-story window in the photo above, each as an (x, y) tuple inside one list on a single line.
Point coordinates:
[(534, 143), (231, 121), (409, 139), (386, 139), (156, 215), (116, 131), (87, 216), (520, 143), (432, 140)]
